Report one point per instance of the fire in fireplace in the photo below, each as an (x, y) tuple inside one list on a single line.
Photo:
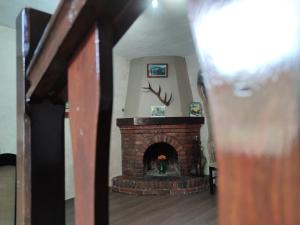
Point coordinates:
[(161, 159)]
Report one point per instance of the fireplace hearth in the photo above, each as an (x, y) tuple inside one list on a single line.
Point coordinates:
[(148, 144)]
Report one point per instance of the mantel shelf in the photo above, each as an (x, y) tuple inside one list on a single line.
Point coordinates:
[(139, 121)]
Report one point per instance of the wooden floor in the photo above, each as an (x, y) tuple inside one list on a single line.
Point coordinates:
[(196, 209)]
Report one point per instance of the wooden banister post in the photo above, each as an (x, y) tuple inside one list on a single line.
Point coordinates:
[(90, 100), (255, 116), (65, 48), (40, 138)]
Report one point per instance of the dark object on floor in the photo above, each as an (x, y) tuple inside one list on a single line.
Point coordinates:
[(199, 158), (212, 177)]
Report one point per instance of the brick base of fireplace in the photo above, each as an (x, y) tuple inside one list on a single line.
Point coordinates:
[(160, 186), (144, 140)]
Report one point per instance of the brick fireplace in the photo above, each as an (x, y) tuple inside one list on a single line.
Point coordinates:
[(144, 140)]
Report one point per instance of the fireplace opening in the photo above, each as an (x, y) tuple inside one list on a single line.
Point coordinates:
[(161, 159)]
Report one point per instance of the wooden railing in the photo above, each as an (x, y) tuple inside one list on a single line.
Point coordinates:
[(69, 57), (66, 57)]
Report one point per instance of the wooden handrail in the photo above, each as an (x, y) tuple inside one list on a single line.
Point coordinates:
[(70, 23), (61, 52)]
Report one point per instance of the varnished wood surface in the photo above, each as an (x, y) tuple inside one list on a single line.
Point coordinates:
[(47, 171), (35, 22), (71, 22), (255, 117), (90, 99), (84, 94), (197, 209), (159, 121), (30, 26)]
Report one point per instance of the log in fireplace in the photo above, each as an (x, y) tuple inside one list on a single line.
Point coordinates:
[(148, 141)]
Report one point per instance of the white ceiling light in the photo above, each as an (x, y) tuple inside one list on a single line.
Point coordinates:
[(154, 3)]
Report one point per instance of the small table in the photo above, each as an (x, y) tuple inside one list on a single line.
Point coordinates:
[(212, 176)]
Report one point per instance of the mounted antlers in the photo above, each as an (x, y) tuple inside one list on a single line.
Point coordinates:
[(163, 100)]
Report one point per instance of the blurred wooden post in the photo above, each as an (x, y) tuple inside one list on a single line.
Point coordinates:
[(40, 137), (90, 100), (40, 143), (257, 138)]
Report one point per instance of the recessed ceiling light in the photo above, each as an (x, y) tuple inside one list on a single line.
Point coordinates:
[(154, 3)]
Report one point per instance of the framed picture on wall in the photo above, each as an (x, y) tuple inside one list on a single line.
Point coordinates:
[(158, 111), (195, 109), (157, 70)]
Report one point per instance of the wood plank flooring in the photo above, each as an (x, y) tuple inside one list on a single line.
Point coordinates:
[(196, 209)]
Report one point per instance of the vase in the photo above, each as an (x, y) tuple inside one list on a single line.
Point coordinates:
[(162, 167)]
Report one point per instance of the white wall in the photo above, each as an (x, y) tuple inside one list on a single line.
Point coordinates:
[(69, 175), (7, 90), (193, 68), (184, 88), (121, 74), (139, 102)]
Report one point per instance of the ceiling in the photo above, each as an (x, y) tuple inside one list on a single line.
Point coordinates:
[(158, 31), (9, 9)]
